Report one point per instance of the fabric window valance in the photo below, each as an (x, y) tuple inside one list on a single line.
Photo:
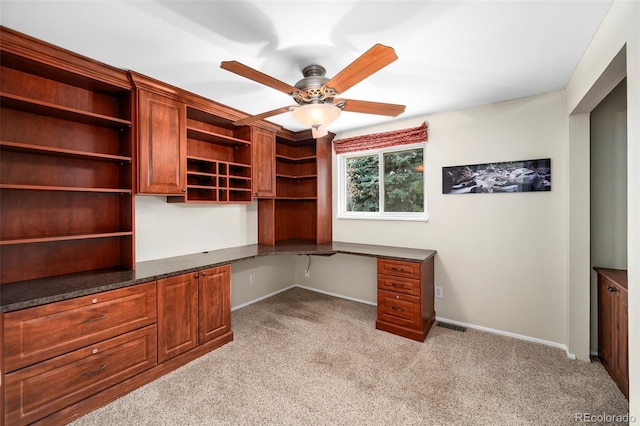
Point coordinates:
[(382, 140)]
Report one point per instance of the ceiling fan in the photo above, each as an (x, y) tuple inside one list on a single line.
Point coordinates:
[(316, 96)]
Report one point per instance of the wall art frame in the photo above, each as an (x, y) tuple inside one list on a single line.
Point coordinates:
[(506, 176)]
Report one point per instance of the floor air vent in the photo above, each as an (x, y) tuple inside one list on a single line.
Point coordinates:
[(451, 326)]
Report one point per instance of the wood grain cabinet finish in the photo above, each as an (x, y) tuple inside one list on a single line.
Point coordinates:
[(177, 315), (301, 209), (214, 303), (193, 309), (161, 144), (264, 164), (44, 388), (66, 162), (405, 298), (613, 319), (35, 334)]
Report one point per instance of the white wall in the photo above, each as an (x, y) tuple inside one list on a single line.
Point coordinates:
[(169, 229), (619, 30), (501, 257)]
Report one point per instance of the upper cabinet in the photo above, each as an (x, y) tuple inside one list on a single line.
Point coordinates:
[(66, 166), (161, 144), (264, 163), (190, 150)]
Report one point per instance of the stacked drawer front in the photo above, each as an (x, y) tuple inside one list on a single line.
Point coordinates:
[(399, 289), (60, 353)]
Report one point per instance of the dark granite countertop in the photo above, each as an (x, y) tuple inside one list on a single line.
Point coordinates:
[(24, 294)]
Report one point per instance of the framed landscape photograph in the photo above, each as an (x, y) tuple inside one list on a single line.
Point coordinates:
[(509, 176)]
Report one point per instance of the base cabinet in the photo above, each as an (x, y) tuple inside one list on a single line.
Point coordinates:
[(193, 309), (613, 320), (405, 298), (44, 388), (214, 303), (67, 358), (177, 315)]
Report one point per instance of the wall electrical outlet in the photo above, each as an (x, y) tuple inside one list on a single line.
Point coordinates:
[(438, 292), (252, 278)]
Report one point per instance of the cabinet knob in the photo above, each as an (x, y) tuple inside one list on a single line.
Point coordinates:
[(184, 189), (204, 273), (195, 275), (611, 289)]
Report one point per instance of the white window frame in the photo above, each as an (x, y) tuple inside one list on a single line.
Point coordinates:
[(380, 215)]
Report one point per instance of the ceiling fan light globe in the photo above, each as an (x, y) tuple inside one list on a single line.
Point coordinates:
[(316, 115)]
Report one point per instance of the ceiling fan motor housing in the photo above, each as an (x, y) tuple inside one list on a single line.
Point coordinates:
[(312, 87)]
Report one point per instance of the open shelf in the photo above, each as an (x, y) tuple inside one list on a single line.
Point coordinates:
[(66, 169), (58, 111), (53, 238), (60, 152)]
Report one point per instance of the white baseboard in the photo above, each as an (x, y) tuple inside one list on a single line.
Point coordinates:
[(509, 334), (463, 324), (328, 293), (251, 302)]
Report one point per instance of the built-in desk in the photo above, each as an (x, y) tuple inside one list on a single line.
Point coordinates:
[(37, 292), (73, 343)]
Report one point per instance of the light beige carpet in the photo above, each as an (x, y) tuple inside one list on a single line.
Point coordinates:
[(304, 358)]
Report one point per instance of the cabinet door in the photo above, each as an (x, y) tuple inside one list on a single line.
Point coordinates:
[(214, 303), (263, 144), (177, 315), (606, 324), (622, 340), (162, 144)]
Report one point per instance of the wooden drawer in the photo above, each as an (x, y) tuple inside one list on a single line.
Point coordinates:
[(39, 333), (399, 284), (400, 309), (399, 268), (41, 389)]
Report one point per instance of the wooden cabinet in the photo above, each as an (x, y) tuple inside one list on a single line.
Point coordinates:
[(58, 354), (218, 159), (301, 210), (613, 320), (34, 334), (161, 144), (188, 147), (214, 303), (405, 297), (44, 388), (193, 309), (264, 163), (177, 315), (66, 165)]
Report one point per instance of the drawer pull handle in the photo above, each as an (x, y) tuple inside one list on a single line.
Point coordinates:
[(91, 373), (397, 285), (397, 309), (89, 321), (397, 269)]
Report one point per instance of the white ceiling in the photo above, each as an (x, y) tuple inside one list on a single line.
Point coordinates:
[(452, 54)]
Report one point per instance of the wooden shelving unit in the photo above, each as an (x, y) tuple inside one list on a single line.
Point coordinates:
[(218, 160), (301, 209), (67, 165)]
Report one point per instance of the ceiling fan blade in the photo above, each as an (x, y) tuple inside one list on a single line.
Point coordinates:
[(255, 75), (253, 118), (367, 107), (369, 62)]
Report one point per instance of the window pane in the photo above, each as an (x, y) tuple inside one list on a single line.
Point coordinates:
[(404, 181), (363, 186)]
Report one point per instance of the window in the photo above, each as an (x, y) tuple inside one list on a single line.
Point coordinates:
[(387, 183)]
